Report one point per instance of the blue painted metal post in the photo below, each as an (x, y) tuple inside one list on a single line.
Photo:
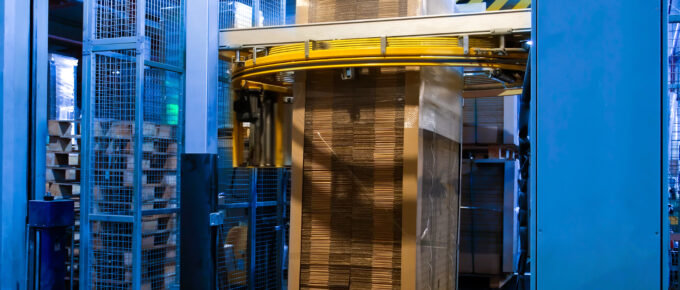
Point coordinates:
[(138, 137), (14, 141), (39, 85), (202, 56), (86, 126), (252, 228), (280, 192), (599, 117)]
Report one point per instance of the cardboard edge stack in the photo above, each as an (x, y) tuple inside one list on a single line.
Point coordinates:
[(376, 170)]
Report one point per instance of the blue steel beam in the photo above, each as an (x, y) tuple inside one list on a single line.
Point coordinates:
[(39, 51), (201, 76), (598, 137), (14, 142)]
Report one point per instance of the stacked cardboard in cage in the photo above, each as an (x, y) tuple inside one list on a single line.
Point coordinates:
[(376, 162)]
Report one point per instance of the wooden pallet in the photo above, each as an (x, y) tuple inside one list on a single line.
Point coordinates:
[(155, 223), (54, 159), (126, 130), (62, 175), (113, 190), (63, 189), (62, 128), (63, 144), (118, 268)]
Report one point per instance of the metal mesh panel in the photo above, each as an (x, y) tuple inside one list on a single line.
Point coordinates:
[(251, 13), (273, 12), (268, 184), (111, 246), (236, 185), (162, 94), (233, 256), (253, 200), (163, 31), (674, 136), (224, 124), (674, 152), (266, 248), (224, 95), (115, 18), (159, 251), (134, 160), (112, 133)]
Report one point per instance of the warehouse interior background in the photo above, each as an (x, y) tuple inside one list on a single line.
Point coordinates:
[(339, 144)]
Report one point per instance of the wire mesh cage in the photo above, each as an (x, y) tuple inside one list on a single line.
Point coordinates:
[(133, 96), (674, 126), (251, 13), (253, 201), (114, 18), (674, 140)]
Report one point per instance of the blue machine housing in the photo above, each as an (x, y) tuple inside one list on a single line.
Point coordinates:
[(51, 213), (599, 145), (51, 221)]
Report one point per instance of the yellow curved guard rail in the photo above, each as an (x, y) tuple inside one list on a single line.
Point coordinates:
[(372, 52)]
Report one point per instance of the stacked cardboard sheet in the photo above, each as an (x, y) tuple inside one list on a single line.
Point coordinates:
[(369, 145)]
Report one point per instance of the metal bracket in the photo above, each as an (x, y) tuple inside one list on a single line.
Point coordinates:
[(501, 31), (347, 74), (306, 49), (216, 219), (238, 57), (465, 39), (255, 55), (383, 45)]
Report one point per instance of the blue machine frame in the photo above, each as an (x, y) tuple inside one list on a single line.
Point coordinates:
[(599, 145)]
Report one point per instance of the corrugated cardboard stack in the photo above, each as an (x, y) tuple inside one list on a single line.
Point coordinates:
[(364, 221), (352, 179)]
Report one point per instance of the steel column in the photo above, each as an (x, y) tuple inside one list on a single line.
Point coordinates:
[(87, 109), (201, 76), (14, 140), (39, 84), (252, 228)]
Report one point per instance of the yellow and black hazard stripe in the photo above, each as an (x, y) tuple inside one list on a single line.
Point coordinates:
[(492, 5)]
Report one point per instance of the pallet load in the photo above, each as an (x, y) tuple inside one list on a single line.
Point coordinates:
[(63, 159), (113, 192), (114, 160), (62, 172), (376, 166)]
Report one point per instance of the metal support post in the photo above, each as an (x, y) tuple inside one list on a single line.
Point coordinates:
[(14, 140), (201, 76), (198, 239), (39, 114), (280, 199), (252, 228)]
